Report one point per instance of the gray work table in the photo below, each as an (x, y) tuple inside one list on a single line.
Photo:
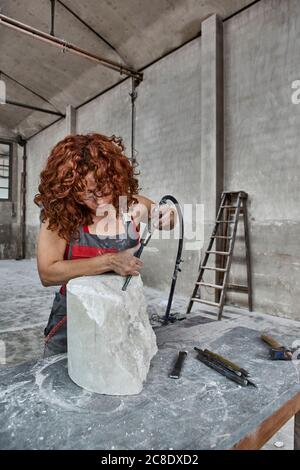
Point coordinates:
[(41, 408)]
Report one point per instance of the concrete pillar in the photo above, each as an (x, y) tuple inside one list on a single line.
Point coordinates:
[(212, 147), (70, 120), (211, 114)]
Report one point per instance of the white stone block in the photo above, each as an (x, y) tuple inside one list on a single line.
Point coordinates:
[(110, 339)]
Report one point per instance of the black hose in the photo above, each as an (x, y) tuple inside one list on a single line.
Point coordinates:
[(178, 256), (177, 269)]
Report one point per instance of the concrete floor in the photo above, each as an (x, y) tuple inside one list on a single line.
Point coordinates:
[(25, 308)]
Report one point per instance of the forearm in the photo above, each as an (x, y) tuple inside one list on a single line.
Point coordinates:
[(61, 272), (170, 224)]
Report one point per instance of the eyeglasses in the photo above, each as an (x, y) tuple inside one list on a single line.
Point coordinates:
[(95, 194)]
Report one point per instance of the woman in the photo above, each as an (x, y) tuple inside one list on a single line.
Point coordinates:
[(82, 191)]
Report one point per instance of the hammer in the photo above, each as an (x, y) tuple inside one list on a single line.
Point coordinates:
[(277, 351)]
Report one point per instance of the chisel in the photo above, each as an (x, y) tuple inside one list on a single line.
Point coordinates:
[(215, 358), (175, 374), (228, 363), (227, 373)]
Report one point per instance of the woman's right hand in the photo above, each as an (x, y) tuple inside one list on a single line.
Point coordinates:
[(125, 263)]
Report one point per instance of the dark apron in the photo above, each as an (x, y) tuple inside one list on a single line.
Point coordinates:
[(88, 246)]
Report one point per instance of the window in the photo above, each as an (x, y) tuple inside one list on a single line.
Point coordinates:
[(5, 170)]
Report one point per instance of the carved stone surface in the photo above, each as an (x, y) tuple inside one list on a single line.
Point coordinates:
[(110, 339)]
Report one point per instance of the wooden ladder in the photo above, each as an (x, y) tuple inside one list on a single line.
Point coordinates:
[(233, 204)]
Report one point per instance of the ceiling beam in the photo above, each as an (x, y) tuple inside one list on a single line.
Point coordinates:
[(89, 27), (28, 89), (66, 46), (33, 108)]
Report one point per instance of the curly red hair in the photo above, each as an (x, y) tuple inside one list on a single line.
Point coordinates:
[(63, 180)]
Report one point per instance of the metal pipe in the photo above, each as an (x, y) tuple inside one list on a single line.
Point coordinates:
[(23, 143), (133, 96), (65, 46), (34, 108), (5, 140), (52, 17), (24, 201)]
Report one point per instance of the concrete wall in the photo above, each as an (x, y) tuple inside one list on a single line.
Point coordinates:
[(262, 142), (169, 146), (38, 150)]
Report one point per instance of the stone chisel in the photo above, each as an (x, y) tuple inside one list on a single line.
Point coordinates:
[(231, 365), (144, 242), (227, 373), (128, 278), (219, 362), (175, 374), (212, 357)]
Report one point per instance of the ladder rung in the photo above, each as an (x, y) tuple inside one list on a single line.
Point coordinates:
[(221, 236), (224, 221), (214, 269), (230, 206), (218, 252), (242, 193), (238, 287), (202, 301), (215, 286)]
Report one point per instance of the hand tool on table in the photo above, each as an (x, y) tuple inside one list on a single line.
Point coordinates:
[(231, 365), (176, 371), (277, 351), (216, 362)]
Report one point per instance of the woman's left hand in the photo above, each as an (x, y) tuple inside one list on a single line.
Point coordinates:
[(163, 217)]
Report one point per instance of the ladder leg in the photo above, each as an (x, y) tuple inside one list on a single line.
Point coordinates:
[(204, 262), (248, 255), (199, 279), (221, 259), (229, 259), (221, 310), (221, 245), (189, 307)]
